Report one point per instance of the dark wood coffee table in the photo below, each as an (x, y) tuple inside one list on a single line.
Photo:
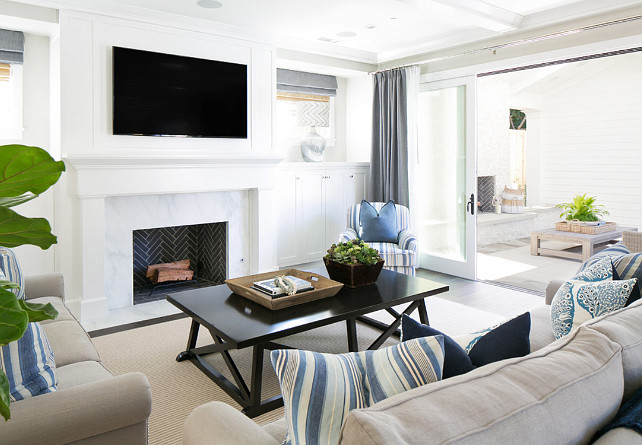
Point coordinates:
[(235, 322)]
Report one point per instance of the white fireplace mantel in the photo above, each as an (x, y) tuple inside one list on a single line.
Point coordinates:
[(94, 179)]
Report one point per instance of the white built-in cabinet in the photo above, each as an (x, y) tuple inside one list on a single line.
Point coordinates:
[(312, 204)]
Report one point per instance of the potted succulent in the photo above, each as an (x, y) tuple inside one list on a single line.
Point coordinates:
[(353, 263), (583, 208), (25, 172)]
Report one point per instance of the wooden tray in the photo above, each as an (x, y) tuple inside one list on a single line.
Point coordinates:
[(323, 288)]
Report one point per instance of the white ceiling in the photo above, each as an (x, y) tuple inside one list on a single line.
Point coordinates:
[(383, 29)]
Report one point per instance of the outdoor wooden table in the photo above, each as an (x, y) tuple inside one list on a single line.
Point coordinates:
[(586, 242)]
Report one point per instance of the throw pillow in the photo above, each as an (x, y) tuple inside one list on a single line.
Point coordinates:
[(578, 301), (466, 352), (508, 340), (29, 364), (456, 361), (378, 226), (600, 270), (627, 267), (11, 269), (319, 390), (614, 251)]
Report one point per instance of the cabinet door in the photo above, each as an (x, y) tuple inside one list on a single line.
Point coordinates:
[(335, 210), (356, 186), (311, 223), (288, 246)]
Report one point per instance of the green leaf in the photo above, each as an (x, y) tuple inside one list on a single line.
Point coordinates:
[(13, 318), (6, 284), (11, 202), (4, 396), (27, 169), (38, 311), (16, 230)]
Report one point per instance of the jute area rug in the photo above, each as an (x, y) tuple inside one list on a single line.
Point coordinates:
[(178, 388)]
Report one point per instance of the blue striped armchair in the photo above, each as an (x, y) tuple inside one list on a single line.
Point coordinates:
[(400, 257)]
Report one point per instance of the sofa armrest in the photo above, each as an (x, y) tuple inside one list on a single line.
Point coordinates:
[(79, 412), (45, 285), (551, 289), (347, 235), (633, 241), (217, 423), (407, 240)]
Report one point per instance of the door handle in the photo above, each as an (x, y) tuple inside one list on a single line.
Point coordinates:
[(470, 205)]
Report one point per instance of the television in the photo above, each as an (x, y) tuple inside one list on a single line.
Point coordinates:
[(167, 95)]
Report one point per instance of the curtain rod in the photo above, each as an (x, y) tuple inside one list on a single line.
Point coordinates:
[(494, 48)]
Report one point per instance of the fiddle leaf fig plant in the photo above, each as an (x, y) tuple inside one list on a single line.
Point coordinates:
[(25, 173), (582, 208)]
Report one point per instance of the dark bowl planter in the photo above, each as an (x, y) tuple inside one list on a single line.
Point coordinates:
[(353, 275)]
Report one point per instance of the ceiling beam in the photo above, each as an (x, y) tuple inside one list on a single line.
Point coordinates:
[(484, 14)]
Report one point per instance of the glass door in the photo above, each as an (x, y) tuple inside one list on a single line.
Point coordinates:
[(445, 186)]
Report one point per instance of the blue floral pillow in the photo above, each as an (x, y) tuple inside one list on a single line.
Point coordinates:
[(589, 294)]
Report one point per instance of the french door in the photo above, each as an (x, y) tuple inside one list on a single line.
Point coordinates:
[(445, 177)]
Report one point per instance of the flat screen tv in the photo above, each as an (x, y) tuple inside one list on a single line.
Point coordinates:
[(167, 95)]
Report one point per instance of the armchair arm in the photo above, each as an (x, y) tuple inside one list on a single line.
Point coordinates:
[(79, 412), (217, 423), (407, 240), (348, 235), (45, 285)]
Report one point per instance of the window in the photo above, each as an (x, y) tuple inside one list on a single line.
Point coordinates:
[(304, 106), (10, 101), (11, 57)]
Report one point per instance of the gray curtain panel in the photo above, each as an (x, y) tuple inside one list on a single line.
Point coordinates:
[(12, 44), (389, 160)]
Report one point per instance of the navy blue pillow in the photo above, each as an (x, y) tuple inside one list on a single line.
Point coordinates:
[(378, 226), (508, 340), (456, 361)]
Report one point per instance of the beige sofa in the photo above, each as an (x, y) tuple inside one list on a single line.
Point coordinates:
[(91, 406), (561, 393)]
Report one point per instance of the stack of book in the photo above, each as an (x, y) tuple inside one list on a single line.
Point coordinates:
[(268, 287)]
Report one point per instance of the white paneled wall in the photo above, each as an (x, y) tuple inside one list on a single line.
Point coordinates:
[(591, 140)]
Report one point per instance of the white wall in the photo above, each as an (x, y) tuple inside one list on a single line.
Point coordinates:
[(36, 133), (591, 139)]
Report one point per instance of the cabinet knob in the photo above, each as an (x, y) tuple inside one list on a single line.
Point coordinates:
[(351, 176)]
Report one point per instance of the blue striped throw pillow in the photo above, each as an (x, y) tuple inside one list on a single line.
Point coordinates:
[(627, 267), (11, 269), (615, 251), (29, 364), (319, 390)]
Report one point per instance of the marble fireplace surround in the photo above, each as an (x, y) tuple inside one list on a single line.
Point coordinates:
[(115, 195)]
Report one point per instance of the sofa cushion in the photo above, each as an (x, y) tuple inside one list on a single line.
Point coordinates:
[(507, 340), (624, 327), (612, 252), (378, 226), (79, 373), (12, 272), (63, 312), (320, 389), (560, 394), (393, 255), (627, 267), (629, 416), (29, 364), (456, 361), (70, 342), (541, 330), (589, 294)]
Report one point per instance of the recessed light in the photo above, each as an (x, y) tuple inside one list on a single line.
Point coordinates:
[(393, 18), (346, 34), (328, 39), (211, 4), (370, 26)]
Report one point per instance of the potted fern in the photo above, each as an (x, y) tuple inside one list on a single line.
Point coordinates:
[(25, 173), (582, 208), (353, 263)]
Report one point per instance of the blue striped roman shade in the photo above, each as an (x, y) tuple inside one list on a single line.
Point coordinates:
[(12, 272), (319, 390), (29, 364)]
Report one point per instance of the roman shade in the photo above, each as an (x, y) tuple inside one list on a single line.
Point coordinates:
[(12, 44), (288, 81)]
